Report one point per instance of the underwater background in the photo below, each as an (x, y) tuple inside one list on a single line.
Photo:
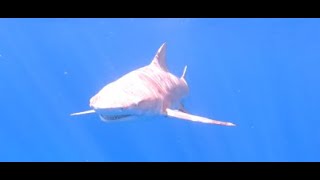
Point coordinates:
[(261, 74)]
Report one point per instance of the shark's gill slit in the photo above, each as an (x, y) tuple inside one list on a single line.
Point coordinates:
[(114, 117)]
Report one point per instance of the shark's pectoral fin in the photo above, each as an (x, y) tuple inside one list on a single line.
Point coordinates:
[(83, 112), (190, 117)]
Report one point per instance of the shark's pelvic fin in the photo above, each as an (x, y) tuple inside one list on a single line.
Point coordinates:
[(83, 112), (181, 115), (160, 58)]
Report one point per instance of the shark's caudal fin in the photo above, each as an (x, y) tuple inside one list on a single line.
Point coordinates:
[(83, 112), (190, 117), (160, 57)]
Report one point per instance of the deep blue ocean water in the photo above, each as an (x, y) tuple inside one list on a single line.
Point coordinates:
[(261, 74)]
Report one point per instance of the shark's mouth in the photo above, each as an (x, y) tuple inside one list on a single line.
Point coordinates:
[(114, 117)]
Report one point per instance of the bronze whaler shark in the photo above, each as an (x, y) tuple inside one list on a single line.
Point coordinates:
[(147, 91)]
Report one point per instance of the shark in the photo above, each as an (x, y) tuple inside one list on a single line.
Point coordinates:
[(151, 90)]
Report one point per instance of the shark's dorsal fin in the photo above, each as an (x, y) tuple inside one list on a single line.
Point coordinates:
[(160, 58)]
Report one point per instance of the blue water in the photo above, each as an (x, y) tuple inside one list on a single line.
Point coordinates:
[(261, 74)]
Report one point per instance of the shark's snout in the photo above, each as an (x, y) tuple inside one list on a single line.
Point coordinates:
[(109, 111), (107, 103)]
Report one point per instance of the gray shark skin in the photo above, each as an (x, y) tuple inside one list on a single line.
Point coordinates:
[(147, 91)]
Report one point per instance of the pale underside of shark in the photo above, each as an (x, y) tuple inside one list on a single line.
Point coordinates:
[(148, 91)]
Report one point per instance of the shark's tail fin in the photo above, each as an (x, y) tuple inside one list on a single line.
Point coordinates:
[(184, 73)]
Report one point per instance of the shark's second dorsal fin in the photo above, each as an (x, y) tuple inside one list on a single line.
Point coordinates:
[(160, 58), (184, 73)]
